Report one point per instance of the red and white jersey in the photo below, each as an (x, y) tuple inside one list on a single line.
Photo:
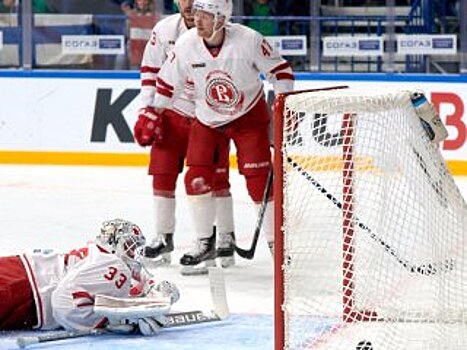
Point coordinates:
[(226, 85), (162, 41), (64, 285)]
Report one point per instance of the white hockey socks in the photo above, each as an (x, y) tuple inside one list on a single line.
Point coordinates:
[(224, 214), (268, 221), (164, 215), (203, 212)]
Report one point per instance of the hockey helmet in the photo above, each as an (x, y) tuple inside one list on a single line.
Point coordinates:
[(216, 7)]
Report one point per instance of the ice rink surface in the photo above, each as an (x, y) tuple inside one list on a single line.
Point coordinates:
[(61, 207)]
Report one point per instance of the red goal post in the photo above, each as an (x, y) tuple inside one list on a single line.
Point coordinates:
[(279, 107)]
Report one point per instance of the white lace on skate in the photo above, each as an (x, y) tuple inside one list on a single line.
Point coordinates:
[(225, 240), (163, 259)]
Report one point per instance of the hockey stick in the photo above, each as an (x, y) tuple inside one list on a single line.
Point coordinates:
[(23, 342), (425, 269), (436, 186), (172, 320), (250, 253), (219, 301)]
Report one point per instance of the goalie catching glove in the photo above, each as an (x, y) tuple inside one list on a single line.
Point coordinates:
[(151, 290), (149, 129)]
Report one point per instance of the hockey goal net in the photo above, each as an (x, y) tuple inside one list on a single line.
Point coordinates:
[(370, 227)]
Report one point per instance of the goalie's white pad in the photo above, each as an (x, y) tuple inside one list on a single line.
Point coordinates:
[(131, 308), (431, 122)]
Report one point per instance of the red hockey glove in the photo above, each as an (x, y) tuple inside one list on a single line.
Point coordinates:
[(148, 129)]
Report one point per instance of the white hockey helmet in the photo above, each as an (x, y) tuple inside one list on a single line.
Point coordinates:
[(216, 7), (122, 238)]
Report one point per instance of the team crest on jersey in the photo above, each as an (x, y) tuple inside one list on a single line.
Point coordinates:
[(222, 95)]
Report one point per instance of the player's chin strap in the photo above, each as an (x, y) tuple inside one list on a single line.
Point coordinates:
[(214, 30)]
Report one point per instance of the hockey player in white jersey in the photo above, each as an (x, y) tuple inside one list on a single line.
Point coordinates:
[(224, 62), (169, 145), (47, 290)]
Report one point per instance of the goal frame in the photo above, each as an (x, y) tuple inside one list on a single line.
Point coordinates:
[(352, 303), (349, 313)]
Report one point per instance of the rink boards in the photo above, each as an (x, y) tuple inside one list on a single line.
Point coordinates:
[(86, 118)]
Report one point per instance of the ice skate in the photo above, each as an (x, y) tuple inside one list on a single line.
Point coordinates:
[(200, 258), (225, 249), (159, 252)]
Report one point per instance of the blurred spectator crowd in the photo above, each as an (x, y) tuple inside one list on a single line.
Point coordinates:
[(110, 7), (257, 8), (251, 7)]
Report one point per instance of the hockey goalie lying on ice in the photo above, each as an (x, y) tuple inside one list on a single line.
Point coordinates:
[(46, 290)]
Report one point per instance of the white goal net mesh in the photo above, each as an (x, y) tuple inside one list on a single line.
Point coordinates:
[(374, 227)]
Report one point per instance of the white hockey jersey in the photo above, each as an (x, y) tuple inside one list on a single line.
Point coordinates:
[(64, 285), (228, 85), (163, 37)]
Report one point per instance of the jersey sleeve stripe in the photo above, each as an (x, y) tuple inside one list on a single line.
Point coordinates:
[(282, 66), (82, 299), (164, 84), (148, 82), (82, 294), (164, 92), (147, 69), (285, 76)]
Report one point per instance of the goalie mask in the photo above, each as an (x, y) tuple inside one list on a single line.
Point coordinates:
[(122, 238), (219, 8)]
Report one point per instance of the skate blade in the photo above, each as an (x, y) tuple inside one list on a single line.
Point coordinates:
[(163, 260), (197, 270), (227, 261)]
